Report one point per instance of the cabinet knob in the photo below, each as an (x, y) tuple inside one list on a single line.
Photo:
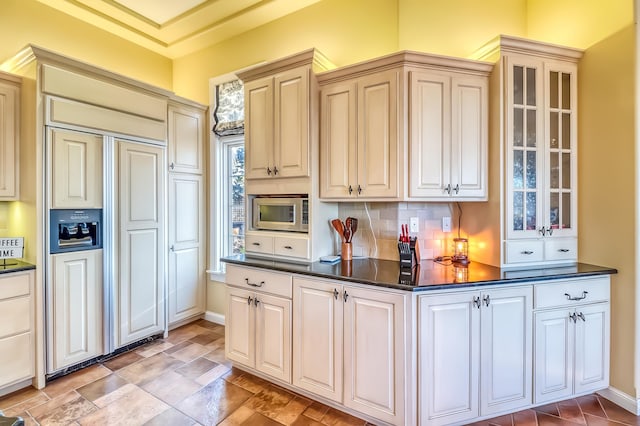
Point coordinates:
[(172, 166), (573, 317), (486, 300), (457, 188), (447, 189), (249, 300), (581, 316), (335, 293), (346, 295), (275, 170), (359, 189), (542, 231), (256, 301), (477, 302), (172, 248), (269, 171), (350, 189), (550, 231)]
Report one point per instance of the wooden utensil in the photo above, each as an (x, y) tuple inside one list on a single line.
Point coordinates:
[(339, 227)]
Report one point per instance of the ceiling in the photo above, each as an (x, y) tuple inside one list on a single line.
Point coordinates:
[(175, 28)]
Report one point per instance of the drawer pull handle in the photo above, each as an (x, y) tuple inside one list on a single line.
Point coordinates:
[(584, 296), (288, 247), (563, 250), (253, 284), (527, 252), (256, 244)]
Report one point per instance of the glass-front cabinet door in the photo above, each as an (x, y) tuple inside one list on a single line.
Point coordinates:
[(525, 136), (560, 151)]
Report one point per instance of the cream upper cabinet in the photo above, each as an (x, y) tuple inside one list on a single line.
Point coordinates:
[(448, 136), (141, 241), (360, 137), (474, 351), (277, 136), (76, 173), (9, 137), (186, 127)]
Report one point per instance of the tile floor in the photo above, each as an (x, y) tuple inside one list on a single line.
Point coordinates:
[(185, 380)]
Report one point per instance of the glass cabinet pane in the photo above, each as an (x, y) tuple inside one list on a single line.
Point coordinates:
[(531, 86), (553, 89), (554, 210), (531, 128), (566, 210), (553, 130), (518, 169), (531, 211), (518, 86), (531, 170), (566, 130), (566, 170), (554, 170), (518, 211), (566, 91), (518, 126)]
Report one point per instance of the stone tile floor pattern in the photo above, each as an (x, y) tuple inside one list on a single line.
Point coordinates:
[(185, 380)]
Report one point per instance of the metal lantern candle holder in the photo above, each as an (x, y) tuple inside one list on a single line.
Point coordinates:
[(461, 251)]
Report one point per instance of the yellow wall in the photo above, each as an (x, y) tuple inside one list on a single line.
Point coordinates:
[(607, 194), (577, 23), (345, 31), (457, 27), (25, 22)]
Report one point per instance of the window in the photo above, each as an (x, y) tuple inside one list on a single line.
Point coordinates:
[(233, 205)]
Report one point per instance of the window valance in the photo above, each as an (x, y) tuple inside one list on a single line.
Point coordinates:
[(229, 113)]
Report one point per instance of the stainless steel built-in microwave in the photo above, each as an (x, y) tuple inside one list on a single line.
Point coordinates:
[(284, 213)]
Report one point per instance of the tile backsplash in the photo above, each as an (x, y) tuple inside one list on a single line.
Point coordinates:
[(379, 227)]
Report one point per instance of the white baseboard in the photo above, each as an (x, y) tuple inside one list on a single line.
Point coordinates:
[(214, 317), (621, 399)]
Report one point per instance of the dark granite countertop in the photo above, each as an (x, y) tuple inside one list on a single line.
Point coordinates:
[(14, 265), (428, 275)]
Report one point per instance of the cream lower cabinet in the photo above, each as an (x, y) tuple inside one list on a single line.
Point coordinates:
[(186, 247), (571, 341), (474, 354), (17, 333), (349, 346), (141, 242), (77, 307), (258, 332)]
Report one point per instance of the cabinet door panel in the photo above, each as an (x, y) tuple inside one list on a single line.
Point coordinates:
[(14, 368), (76, 170), (592, 348), (142, 242), (240, 327), (317, 337), (273, 336), (9, 132), (448, 358), (291, 137), (186, 134), (430, 137), (77, 307), (554, 348), (258, 100), (506, 360), (338, 140), (469, 135), (374, 349), (378, 134)]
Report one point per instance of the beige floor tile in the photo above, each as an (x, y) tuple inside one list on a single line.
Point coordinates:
[(316, 411), (196, 368), (186, 332), (121, 361), (212, 375), (214, 402), (171, 417), (75, 380), (101, 387), (15, 410), (190, 353), (135, 408), (251, 383), (172, 387), (305, 421), (149, 368), (258, 419), (205, 338), (270, 401), (62, 410), (334, 417), (238, 417), (217, 355), (154, 348), (294, 409), (117, 394), (18, 397)]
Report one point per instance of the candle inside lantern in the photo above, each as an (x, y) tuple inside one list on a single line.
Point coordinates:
[(461, 251)]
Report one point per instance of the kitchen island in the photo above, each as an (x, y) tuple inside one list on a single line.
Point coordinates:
[(436, 346)]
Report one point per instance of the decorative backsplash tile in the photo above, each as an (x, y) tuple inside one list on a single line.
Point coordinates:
[(379, 227)]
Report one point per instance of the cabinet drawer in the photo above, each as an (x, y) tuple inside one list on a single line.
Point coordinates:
[(15, 316), (260, 280), (561, 249), (14, 285), (524, 251), (565, 293), (16, 355), (259, 243), (292, 247)]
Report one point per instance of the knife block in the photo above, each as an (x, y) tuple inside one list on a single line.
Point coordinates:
[(409, 253)]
